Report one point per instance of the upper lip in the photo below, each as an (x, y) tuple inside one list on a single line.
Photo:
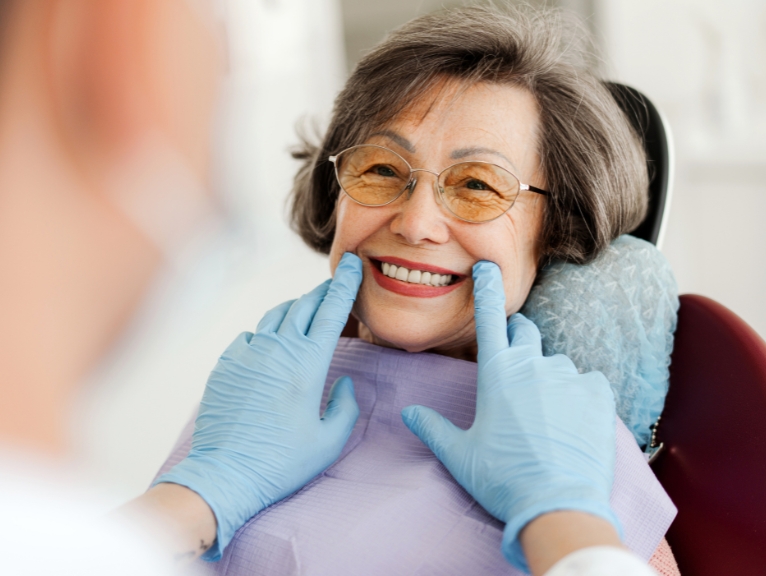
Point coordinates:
[(415, 265)]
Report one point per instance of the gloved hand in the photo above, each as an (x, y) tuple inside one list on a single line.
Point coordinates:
[(544, 436), (258, 436)]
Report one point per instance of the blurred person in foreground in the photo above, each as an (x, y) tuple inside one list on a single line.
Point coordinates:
[(105, 122), (105, 110)]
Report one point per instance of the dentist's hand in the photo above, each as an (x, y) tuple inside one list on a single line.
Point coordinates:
[(544, 436), (258, 436)]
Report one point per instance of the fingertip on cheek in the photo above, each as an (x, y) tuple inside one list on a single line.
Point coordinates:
[(336, 256)]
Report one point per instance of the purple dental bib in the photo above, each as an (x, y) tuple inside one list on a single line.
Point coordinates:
[(388, 506)]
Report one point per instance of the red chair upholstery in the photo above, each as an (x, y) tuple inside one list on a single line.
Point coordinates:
[(714, 429)]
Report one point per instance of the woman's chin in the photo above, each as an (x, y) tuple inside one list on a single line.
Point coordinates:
[(391, 339), (417, 340)]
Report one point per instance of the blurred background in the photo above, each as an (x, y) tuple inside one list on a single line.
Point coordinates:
[(702, 62)]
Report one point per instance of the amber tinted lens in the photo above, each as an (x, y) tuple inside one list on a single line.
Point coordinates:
[(372, 175), (478, 192)]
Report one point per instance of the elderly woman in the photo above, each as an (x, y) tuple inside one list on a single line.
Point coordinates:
[(469, 135), (467, 150)]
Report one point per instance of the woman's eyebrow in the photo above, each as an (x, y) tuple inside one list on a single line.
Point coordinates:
[(393, 136), (465, 152)]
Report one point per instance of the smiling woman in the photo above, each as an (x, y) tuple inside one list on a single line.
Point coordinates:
[(474, 134), (418, 232)]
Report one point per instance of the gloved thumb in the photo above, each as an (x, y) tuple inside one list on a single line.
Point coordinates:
[(342, 411), (433, 429)]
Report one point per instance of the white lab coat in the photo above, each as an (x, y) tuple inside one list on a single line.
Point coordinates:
[(49, 527), (601, 561)]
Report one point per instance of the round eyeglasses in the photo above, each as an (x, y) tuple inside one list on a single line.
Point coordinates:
[(472, 191)]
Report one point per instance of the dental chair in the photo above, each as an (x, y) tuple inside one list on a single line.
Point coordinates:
[(713, 428), (655, 134)]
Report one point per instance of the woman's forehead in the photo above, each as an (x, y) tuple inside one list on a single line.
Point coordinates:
[(463, 119), (454, 154)]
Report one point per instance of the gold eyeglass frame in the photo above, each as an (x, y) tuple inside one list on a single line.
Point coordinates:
[(438, 191)]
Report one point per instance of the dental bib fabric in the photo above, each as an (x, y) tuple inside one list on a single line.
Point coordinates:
[(616, 315), (388, 506)]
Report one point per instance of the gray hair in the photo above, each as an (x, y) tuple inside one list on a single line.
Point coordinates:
[(592, 159)]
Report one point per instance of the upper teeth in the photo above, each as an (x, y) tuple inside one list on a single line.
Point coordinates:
[(416, 276)]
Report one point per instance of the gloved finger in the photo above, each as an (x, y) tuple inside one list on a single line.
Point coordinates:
[(332, 315), (341, 413), (434, 430), (272, 320), (489, 304), (523, 332), (301, 313), (562, 364)]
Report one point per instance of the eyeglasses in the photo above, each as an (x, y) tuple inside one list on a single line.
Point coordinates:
[(472, 191)]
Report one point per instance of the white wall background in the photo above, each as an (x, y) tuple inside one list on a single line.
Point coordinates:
[(703, 62)]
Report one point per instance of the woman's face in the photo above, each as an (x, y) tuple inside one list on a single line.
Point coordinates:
[(451, 123)]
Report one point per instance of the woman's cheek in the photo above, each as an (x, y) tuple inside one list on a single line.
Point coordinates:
[(516, 293), (341, 240), (511, 245), (354, 225), (527, 228)]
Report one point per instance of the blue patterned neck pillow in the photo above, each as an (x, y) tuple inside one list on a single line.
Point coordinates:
[(616, 315)]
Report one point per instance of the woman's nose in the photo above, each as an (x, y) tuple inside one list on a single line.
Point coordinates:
[(420, 218)]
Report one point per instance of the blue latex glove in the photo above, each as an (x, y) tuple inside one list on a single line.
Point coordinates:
[(258, 436), (544, 436)]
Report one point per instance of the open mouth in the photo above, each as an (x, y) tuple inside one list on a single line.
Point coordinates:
[(414, 279)]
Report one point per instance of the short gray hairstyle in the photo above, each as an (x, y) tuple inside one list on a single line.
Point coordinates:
[(592, 159)]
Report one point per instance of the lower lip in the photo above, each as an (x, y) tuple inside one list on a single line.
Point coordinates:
[(409, 289)]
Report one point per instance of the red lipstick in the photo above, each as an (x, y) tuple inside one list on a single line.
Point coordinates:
[(410, 289)]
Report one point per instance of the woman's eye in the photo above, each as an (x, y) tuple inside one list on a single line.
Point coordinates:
[(386, 171), (476, 185)]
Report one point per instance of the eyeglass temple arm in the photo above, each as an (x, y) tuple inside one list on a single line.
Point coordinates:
[(534, 189)]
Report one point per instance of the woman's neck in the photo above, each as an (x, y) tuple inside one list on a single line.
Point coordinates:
[(464, 352)]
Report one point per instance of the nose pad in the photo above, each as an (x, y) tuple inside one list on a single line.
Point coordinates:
[(438, 195), (411, 187), (419, 219)]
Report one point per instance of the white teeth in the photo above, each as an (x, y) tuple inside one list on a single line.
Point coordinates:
[(415, 276)]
